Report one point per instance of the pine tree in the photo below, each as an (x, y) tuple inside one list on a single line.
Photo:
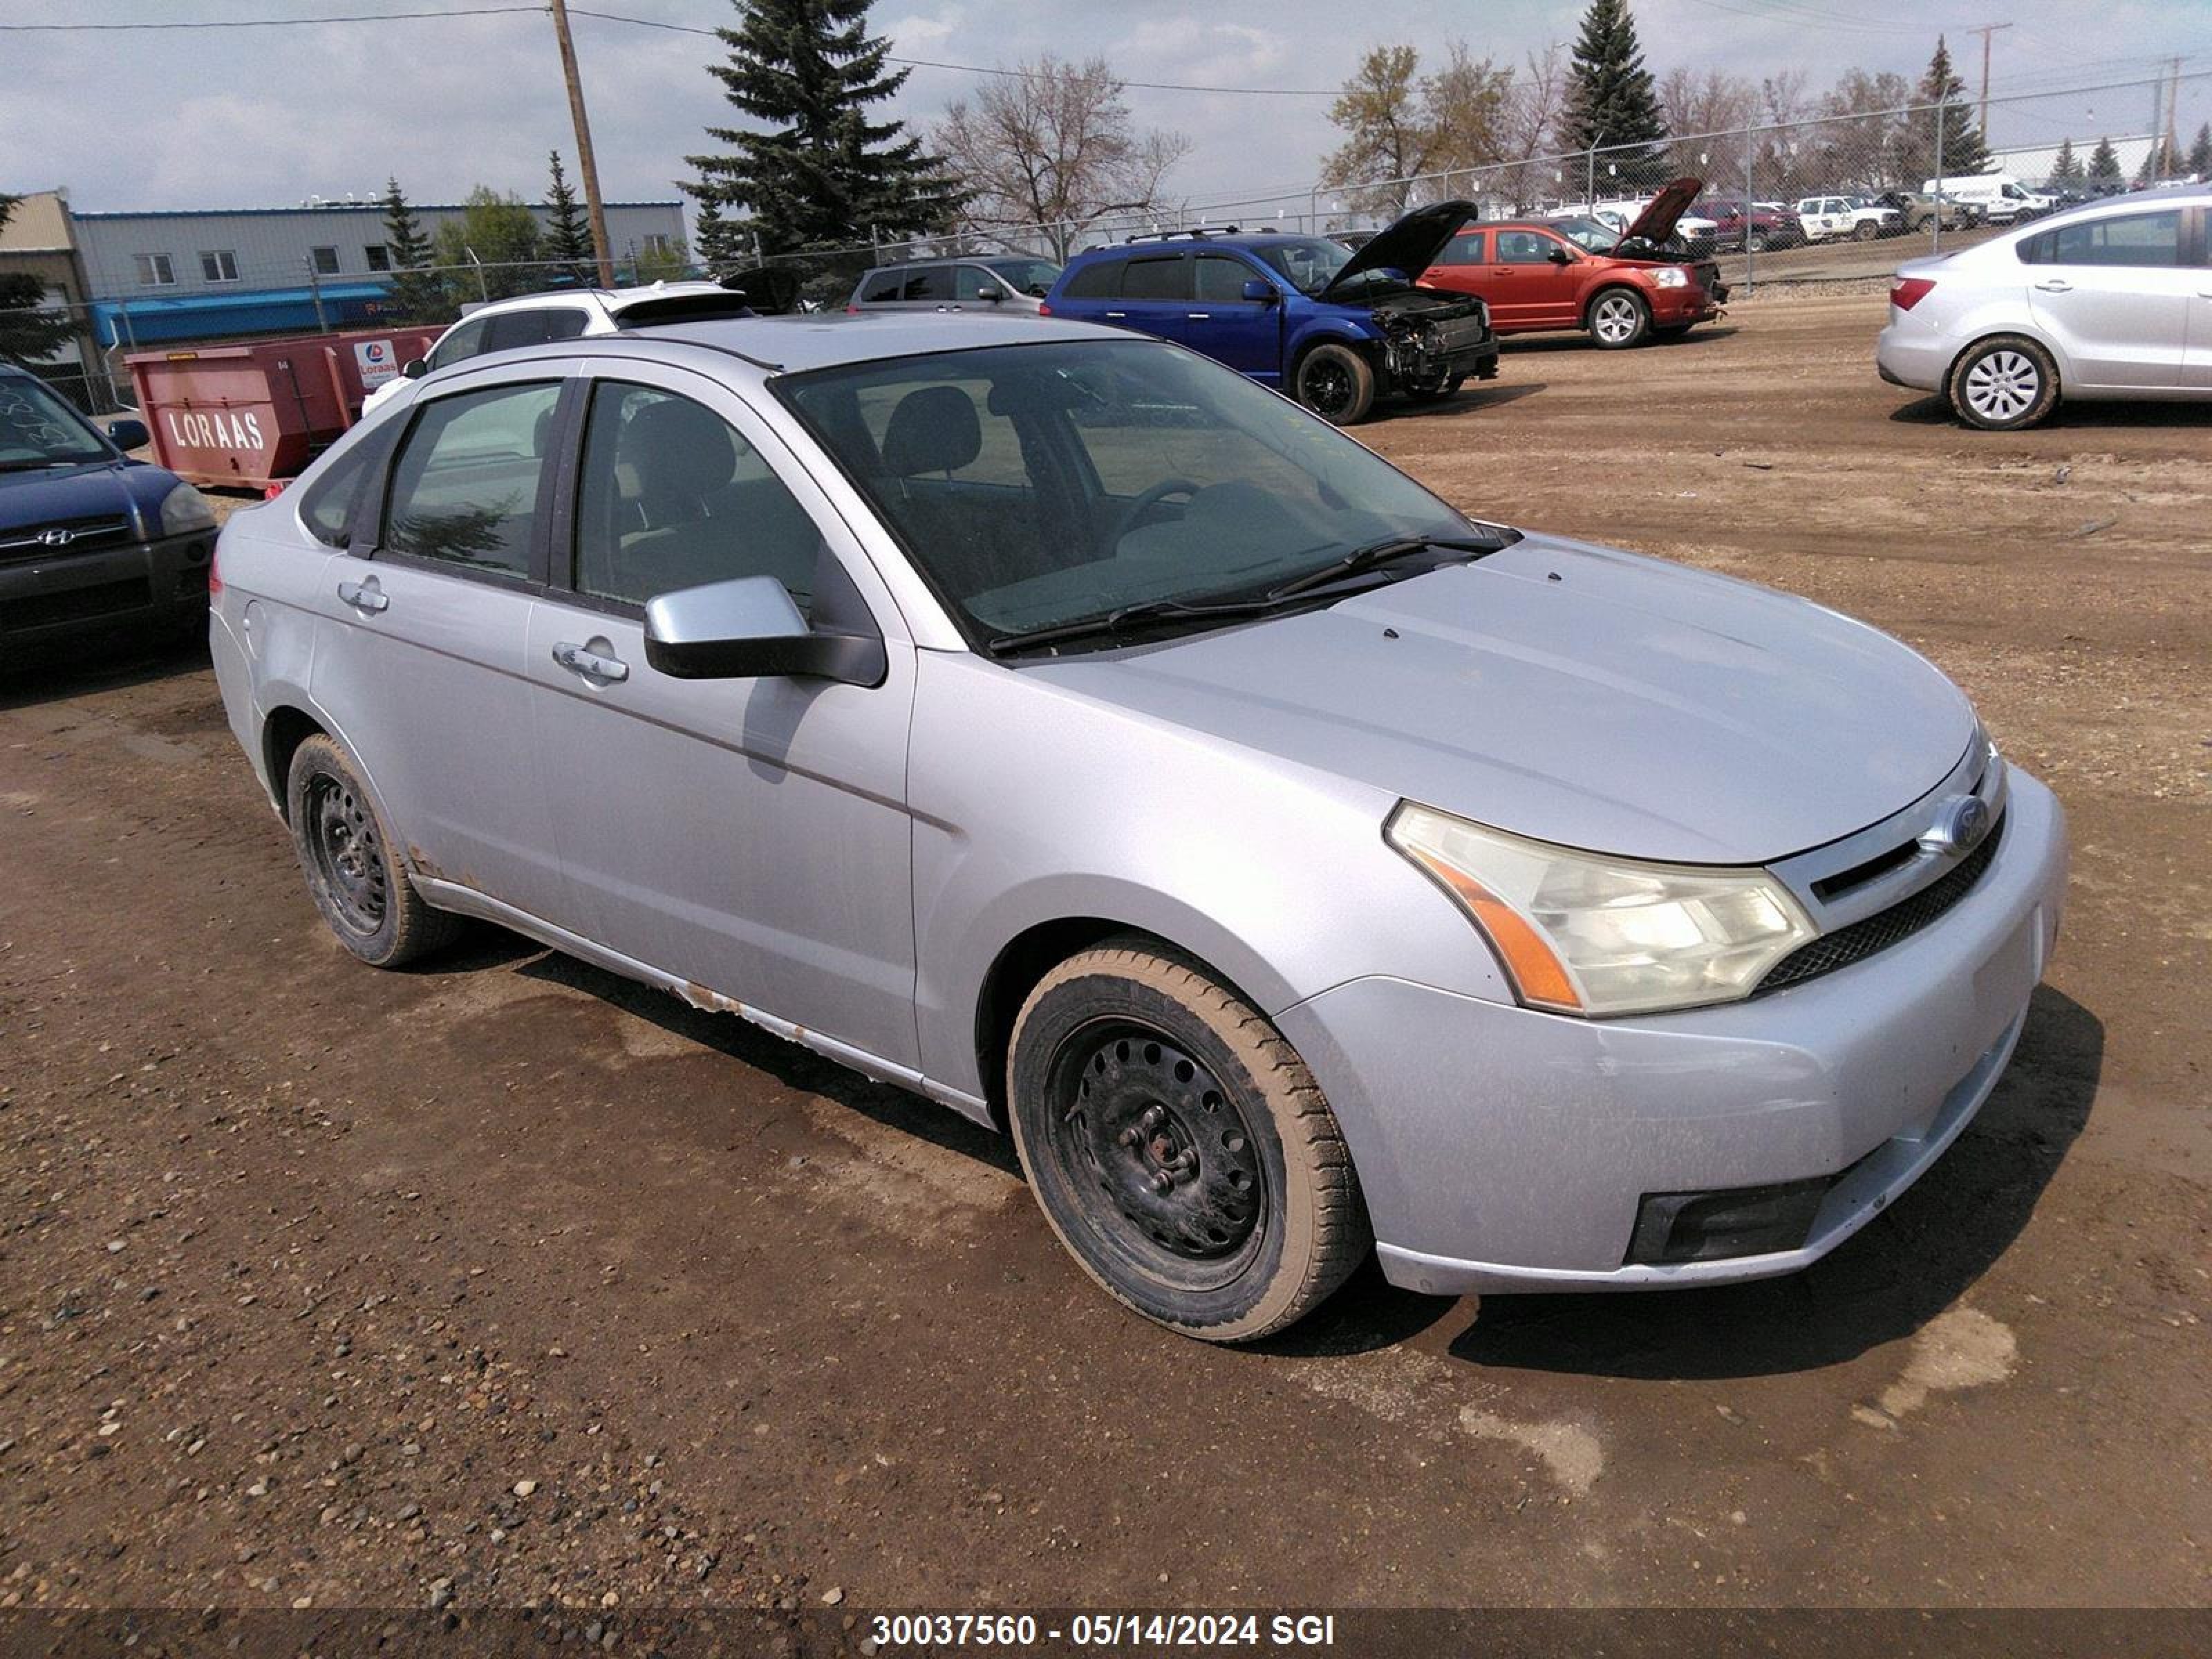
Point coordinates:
[(416, 296), (1962, 150), (567, 234), (2066, 166), (2200, 153), (30, 334), (1614, 102), (2104, 166), (722, 245), (820, 175)]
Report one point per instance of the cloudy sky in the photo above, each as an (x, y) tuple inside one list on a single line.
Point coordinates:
[(252, 118)]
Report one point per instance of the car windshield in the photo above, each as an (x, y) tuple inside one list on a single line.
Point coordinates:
[(1311, 262), (1037, 486), (1033, 277), (39, 430), (1591, 235)]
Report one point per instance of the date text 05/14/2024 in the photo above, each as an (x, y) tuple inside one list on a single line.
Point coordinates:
[(891, 1632)]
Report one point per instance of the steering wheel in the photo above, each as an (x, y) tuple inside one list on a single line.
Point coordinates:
[(1145, 502)]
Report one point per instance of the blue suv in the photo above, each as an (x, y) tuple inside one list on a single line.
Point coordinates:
[(1334, 327)]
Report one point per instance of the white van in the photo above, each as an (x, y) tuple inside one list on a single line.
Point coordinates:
[(2002, 197)]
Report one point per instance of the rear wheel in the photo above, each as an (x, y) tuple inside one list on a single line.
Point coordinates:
[(1336, 383), (353, 875), (2003, 384), (1179, 1147), (1618, 319)]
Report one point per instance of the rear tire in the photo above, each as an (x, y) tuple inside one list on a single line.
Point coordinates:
[(353, 871), (1618, 319), (1336, 383), (1178, 1147), (2003, 384)]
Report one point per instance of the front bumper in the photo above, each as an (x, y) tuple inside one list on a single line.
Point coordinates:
[(1504, 1149), (150, 586)]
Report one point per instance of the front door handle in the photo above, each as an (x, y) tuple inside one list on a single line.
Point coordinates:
[(590, 663), (364, 596), (2054, 286), (1117, 313)]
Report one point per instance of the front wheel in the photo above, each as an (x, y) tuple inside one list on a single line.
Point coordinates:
[(1758, 241), (1178, 1147), (2003, 384), (1618, 319), (1336, 383), (1864, 230)]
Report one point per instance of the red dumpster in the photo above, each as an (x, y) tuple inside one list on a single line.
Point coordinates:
[(259, 411)]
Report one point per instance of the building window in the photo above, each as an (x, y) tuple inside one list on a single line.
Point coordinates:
[(656, 242), (326, 261), (378, 256), (218, 264), (154, 271)]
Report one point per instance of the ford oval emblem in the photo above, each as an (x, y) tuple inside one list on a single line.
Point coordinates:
[(1961, 825)]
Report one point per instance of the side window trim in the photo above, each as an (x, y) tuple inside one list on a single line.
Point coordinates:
[(559, 438)]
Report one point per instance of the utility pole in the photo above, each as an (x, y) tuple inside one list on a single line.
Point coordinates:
[(1985, 31), (585, 163), (2172, 139)]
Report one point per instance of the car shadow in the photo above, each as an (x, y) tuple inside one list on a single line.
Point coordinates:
[(1517, 345), (57, 674), (1919, 1257), (1467, 400), (1935, 411), (787, 1062)]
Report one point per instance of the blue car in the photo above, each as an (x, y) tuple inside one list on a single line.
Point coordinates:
[(91, 542), (1334, 327)]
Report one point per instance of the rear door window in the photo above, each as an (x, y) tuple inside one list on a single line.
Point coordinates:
[(1159, 278), (1463, 250), (2130, 239), (465, 485), (880, 286), (929, 282)]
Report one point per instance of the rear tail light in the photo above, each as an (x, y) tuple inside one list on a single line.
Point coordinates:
[(270, 492), (852, 311), (1907, 292), (1043, 310)]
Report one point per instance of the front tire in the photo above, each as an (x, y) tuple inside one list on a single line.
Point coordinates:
[(1336, 383), (1179, 1147), (1618, 319), (353, 872), (1864, 231), (2003, 384)]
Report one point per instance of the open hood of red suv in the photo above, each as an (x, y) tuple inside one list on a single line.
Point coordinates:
[(1657, 221), (1411, 244)]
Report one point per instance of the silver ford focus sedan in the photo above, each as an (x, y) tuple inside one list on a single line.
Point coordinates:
[(1057, 724)]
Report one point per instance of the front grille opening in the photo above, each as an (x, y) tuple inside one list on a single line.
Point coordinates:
[(1879, 932), (1859, 874)]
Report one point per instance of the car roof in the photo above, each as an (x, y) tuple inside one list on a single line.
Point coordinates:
[(1183, 243), (613, 300), (793, 344), (2157, 196)]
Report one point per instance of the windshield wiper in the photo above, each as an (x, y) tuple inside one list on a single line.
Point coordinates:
[(41, 465), (1389, 551), (1120, 619)]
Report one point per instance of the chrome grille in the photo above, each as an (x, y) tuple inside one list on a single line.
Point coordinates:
[(86, 534), (1884, 928)]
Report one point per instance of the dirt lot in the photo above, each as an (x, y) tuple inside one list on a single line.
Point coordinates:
[(508, 1282)]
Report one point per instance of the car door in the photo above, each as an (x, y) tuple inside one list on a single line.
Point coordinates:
[(2116, 294), (421, 627), (1460, 267), (749, 837), (975, 289), (1539, 286), (1155, 295), (1247, 335)]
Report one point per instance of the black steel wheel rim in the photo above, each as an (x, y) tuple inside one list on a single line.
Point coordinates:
[(1329, 387), (348, 854), (1157, 1155)]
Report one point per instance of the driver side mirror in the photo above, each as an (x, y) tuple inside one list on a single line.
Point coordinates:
[(749, 627), (995, 295), (1560, 256), (1261, 293), (128, 435), (415, 369)]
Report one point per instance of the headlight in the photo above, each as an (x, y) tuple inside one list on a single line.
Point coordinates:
[(184, 510), (1584, 933), (1671, 276)]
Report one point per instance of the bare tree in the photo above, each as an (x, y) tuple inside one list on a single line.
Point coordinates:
[(1699, 106), (1054, 147), (1399, 123), (1533, 116)]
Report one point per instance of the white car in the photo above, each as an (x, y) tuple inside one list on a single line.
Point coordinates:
[(1623, 212), (564, 314), (2003, 199), (1827, 218), (2111, 300)]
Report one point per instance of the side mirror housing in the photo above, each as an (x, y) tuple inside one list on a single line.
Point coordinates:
[(415, 369), (749, 627), (128, 435), (995, 296), (1560, 256), (1257, 290)]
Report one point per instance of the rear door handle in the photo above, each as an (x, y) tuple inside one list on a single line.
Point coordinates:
[(1117, 313), (590, 663), (1198, 316), (364, 596), (2055, 286)]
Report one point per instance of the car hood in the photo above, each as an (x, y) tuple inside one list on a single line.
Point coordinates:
[(1410, 245), (131, 489), (1664, 212), (1576, 695)]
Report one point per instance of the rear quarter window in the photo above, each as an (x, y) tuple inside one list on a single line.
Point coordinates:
[(326, 505), (881, 285), (1100, 280)]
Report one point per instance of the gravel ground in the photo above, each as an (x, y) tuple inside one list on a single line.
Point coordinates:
[(504, 1282)]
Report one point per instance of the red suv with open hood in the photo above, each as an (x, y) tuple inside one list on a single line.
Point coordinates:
[(1579, 273)]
